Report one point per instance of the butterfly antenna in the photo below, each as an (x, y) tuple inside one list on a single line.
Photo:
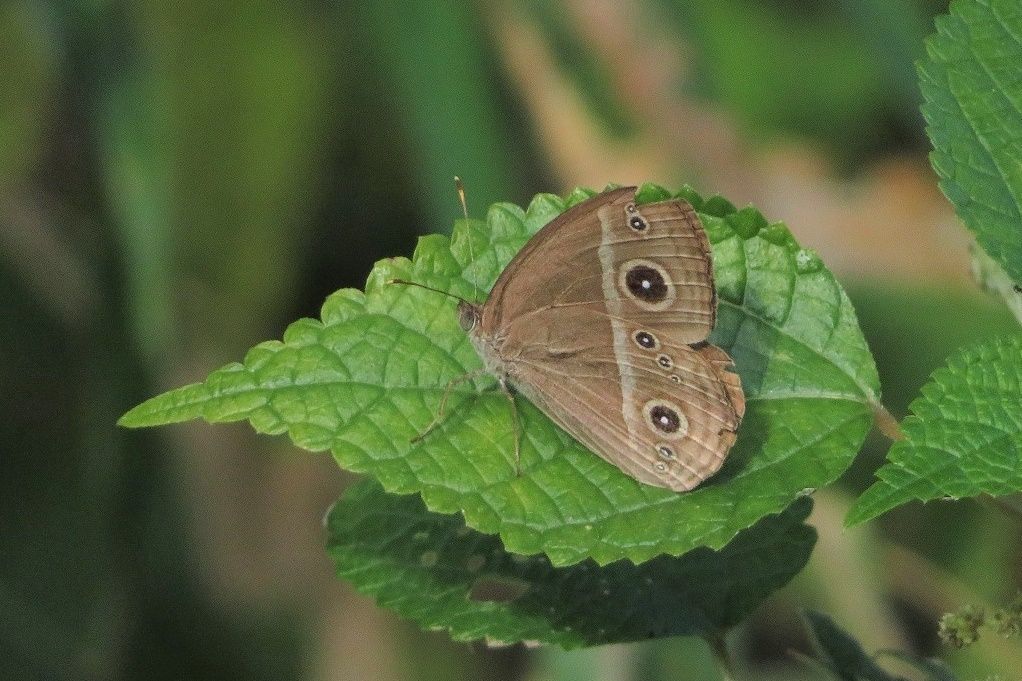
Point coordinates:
[(428, 288), (459, 186)]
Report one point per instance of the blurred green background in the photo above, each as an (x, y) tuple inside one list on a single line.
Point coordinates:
[(179, 180)]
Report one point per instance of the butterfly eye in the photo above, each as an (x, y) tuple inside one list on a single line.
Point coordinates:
[(646, 340), (468, 316)]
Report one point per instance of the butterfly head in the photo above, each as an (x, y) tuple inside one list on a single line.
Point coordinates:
[(468, 315)]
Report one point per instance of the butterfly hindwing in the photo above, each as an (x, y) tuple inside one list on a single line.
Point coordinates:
[(666, 414)]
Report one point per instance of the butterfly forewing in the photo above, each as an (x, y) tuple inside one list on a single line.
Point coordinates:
[(551, 258), (648, 263)]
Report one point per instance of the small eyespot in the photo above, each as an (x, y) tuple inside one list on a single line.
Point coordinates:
[(637, 223), (676, 378), (646, 340), (665, 361), (660, 466), (665, 452), (630, 208)]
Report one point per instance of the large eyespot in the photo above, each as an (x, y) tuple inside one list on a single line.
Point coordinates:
[(665, 419), (647, 284), (646, 340), (638, 223)]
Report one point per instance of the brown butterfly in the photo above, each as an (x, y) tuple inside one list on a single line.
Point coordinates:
[(601, 321)]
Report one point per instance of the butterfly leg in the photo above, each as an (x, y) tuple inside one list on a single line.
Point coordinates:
[(439, 418), (516, 423)]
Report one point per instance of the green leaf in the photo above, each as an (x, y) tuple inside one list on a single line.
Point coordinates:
[(840, 652), (368, 378), (432, 569), (964, 436), (974, 110)]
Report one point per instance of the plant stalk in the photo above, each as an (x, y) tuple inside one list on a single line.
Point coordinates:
[(886, 423), (721, 654)]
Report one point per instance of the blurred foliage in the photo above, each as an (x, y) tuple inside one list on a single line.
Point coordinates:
[(29, 60), (839, 71), (444, 82), (583, 68), (213, 132), (843, 657), (178, 180)]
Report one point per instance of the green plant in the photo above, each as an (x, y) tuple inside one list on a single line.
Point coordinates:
[(532, 557)]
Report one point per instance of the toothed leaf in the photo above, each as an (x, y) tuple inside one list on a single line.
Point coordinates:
[(964, 437), (432, 569)]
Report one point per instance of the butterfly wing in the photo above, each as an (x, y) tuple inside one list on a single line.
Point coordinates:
[(601, 321), (649, 263), (665, 415)]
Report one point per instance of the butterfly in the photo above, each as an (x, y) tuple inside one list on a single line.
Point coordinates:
[(601, 321)]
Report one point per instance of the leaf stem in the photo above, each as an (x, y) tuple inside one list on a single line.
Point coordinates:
[(721, 654), (886, 423)]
